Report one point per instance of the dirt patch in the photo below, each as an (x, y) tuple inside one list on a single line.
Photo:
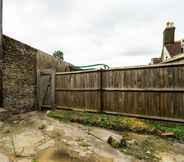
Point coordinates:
[(26, 135), (143, 146), (55, 155), (35, 136), (121, 123)]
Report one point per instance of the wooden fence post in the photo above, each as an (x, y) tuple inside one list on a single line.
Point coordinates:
[(101, 89), (38, 91), (53, 92)]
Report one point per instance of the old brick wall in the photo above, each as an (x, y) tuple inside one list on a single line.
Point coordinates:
[(19, 75)]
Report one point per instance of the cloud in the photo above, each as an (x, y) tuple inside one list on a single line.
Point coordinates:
[(114, 32)]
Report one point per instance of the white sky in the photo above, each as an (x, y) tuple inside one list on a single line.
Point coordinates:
[(114, 32)]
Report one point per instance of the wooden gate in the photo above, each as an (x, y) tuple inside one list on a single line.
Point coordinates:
[(46, 88)]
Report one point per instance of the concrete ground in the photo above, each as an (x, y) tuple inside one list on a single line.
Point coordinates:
[(34, 137)]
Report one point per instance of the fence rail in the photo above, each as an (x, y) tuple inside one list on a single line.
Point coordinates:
[(155, 91)]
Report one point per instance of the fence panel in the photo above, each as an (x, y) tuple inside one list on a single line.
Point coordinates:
[(78, 90), (157, 91), (1, 89), (149, 91)]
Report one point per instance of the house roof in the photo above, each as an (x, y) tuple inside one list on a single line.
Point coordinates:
[(175, 59), (174, 48)]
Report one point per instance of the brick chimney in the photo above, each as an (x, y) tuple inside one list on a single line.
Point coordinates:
[(169, 33)]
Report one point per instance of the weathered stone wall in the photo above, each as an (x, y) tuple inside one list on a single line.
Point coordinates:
[(19, 75)]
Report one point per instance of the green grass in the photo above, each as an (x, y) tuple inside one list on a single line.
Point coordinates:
[(177, 129), (120, 123), (34, 161)]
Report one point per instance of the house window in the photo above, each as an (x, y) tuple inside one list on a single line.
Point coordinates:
[(182, 50), (182, 46)]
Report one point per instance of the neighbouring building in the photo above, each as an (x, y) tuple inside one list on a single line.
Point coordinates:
[(172, 49)]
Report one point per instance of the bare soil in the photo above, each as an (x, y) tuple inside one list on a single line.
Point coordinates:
[(34, 137)]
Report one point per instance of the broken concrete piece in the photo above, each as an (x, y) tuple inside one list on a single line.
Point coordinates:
[(166, 134), (116, 143)]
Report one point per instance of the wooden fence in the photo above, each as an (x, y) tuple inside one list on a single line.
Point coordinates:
[(1, 88), (155, 91)]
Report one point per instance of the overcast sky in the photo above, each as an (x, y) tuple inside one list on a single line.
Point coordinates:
[(114, 32)]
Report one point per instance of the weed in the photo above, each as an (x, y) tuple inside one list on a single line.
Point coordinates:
[(34, 161), (120, 123), (143, 150), (177, 129)]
